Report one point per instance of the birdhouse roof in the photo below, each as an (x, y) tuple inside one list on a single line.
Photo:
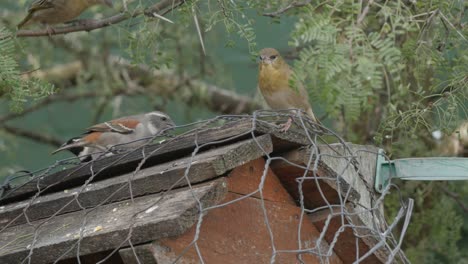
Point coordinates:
[(160, 192)]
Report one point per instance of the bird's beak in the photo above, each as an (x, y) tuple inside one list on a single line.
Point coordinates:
[(170, 126), (261, 58), (264, 60), (108, 3)]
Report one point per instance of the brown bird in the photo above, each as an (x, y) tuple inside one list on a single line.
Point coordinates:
[(273, 81), (126, 131), (50, 12)]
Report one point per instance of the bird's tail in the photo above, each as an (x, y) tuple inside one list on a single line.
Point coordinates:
[(74, 143), (312, 116), (24, 21)]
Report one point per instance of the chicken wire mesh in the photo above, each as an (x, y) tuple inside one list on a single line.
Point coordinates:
[(387, 234)]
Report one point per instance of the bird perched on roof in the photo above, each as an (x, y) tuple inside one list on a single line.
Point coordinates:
[(99, 138), (58, 11), (273, 82)]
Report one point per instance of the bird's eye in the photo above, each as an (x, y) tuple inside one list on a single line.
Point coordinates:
[(272, 57), (164, 118)]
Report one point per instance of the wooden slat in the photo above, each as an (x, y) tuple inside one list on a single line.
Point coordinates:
[(204, 166), (331, 181), (157, 154), (359, 175), (108, 226), (126, 162)]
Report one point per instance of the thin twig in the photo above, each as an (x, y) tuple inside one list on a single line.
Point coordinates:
[(364, 13), (41, 138), (47, 101), (215, 98), (285, 9), (456, 198), (453, 26), (195, 19), (90, 25)]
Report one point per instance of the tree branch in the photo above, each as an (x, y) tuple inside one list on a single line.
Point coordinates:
[(47, 101), (456, 198), (165, 84), (286, 8), (90, 25), (42, 138), (170, 85), (364, 12), (143, 81)]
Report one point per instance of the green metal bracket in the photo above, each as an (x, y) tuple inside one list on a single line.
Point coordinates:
[(419, 169)]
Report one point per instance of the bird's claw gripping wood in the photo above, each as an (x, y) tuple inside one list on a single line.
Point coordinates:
[(285, 127)]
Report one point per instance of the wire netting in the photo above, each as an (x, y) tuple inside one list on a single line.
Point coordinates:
[(387, 231)]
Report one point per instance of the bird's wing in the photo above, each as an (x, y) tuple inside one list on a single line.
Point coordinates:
[(35, 6), (122, 126), (300, 99), (40, 4)]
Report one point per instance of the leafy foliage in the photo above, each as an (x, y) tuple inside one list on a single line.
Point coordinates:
[(11, 83), (392, 76), (232, 15), (436, 231)]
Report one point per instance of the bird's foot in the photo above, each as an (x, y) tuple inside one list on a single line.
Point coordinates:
[(50, 31), (285, 127)]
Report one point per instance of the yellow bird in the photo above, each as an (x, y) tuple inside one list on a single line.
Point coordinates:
[(50, 12), (273, 82)]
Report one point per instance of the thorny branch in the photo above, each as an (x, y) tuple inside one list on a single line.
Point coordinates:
[(50, 100), (164, 84), (456, 197), (286, 8), (364, 12), (41, 138), (139, 80), (90, 25)]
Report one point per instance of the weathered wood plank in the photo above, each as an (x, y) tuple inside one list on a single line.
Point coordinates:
[(329, 183), (204, 166), (156, 154), (126, 162), (360, 175), (107, 227)]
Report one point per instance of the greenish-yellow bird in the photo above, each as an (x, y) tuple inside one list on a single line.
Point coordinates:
[(273, 82)]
